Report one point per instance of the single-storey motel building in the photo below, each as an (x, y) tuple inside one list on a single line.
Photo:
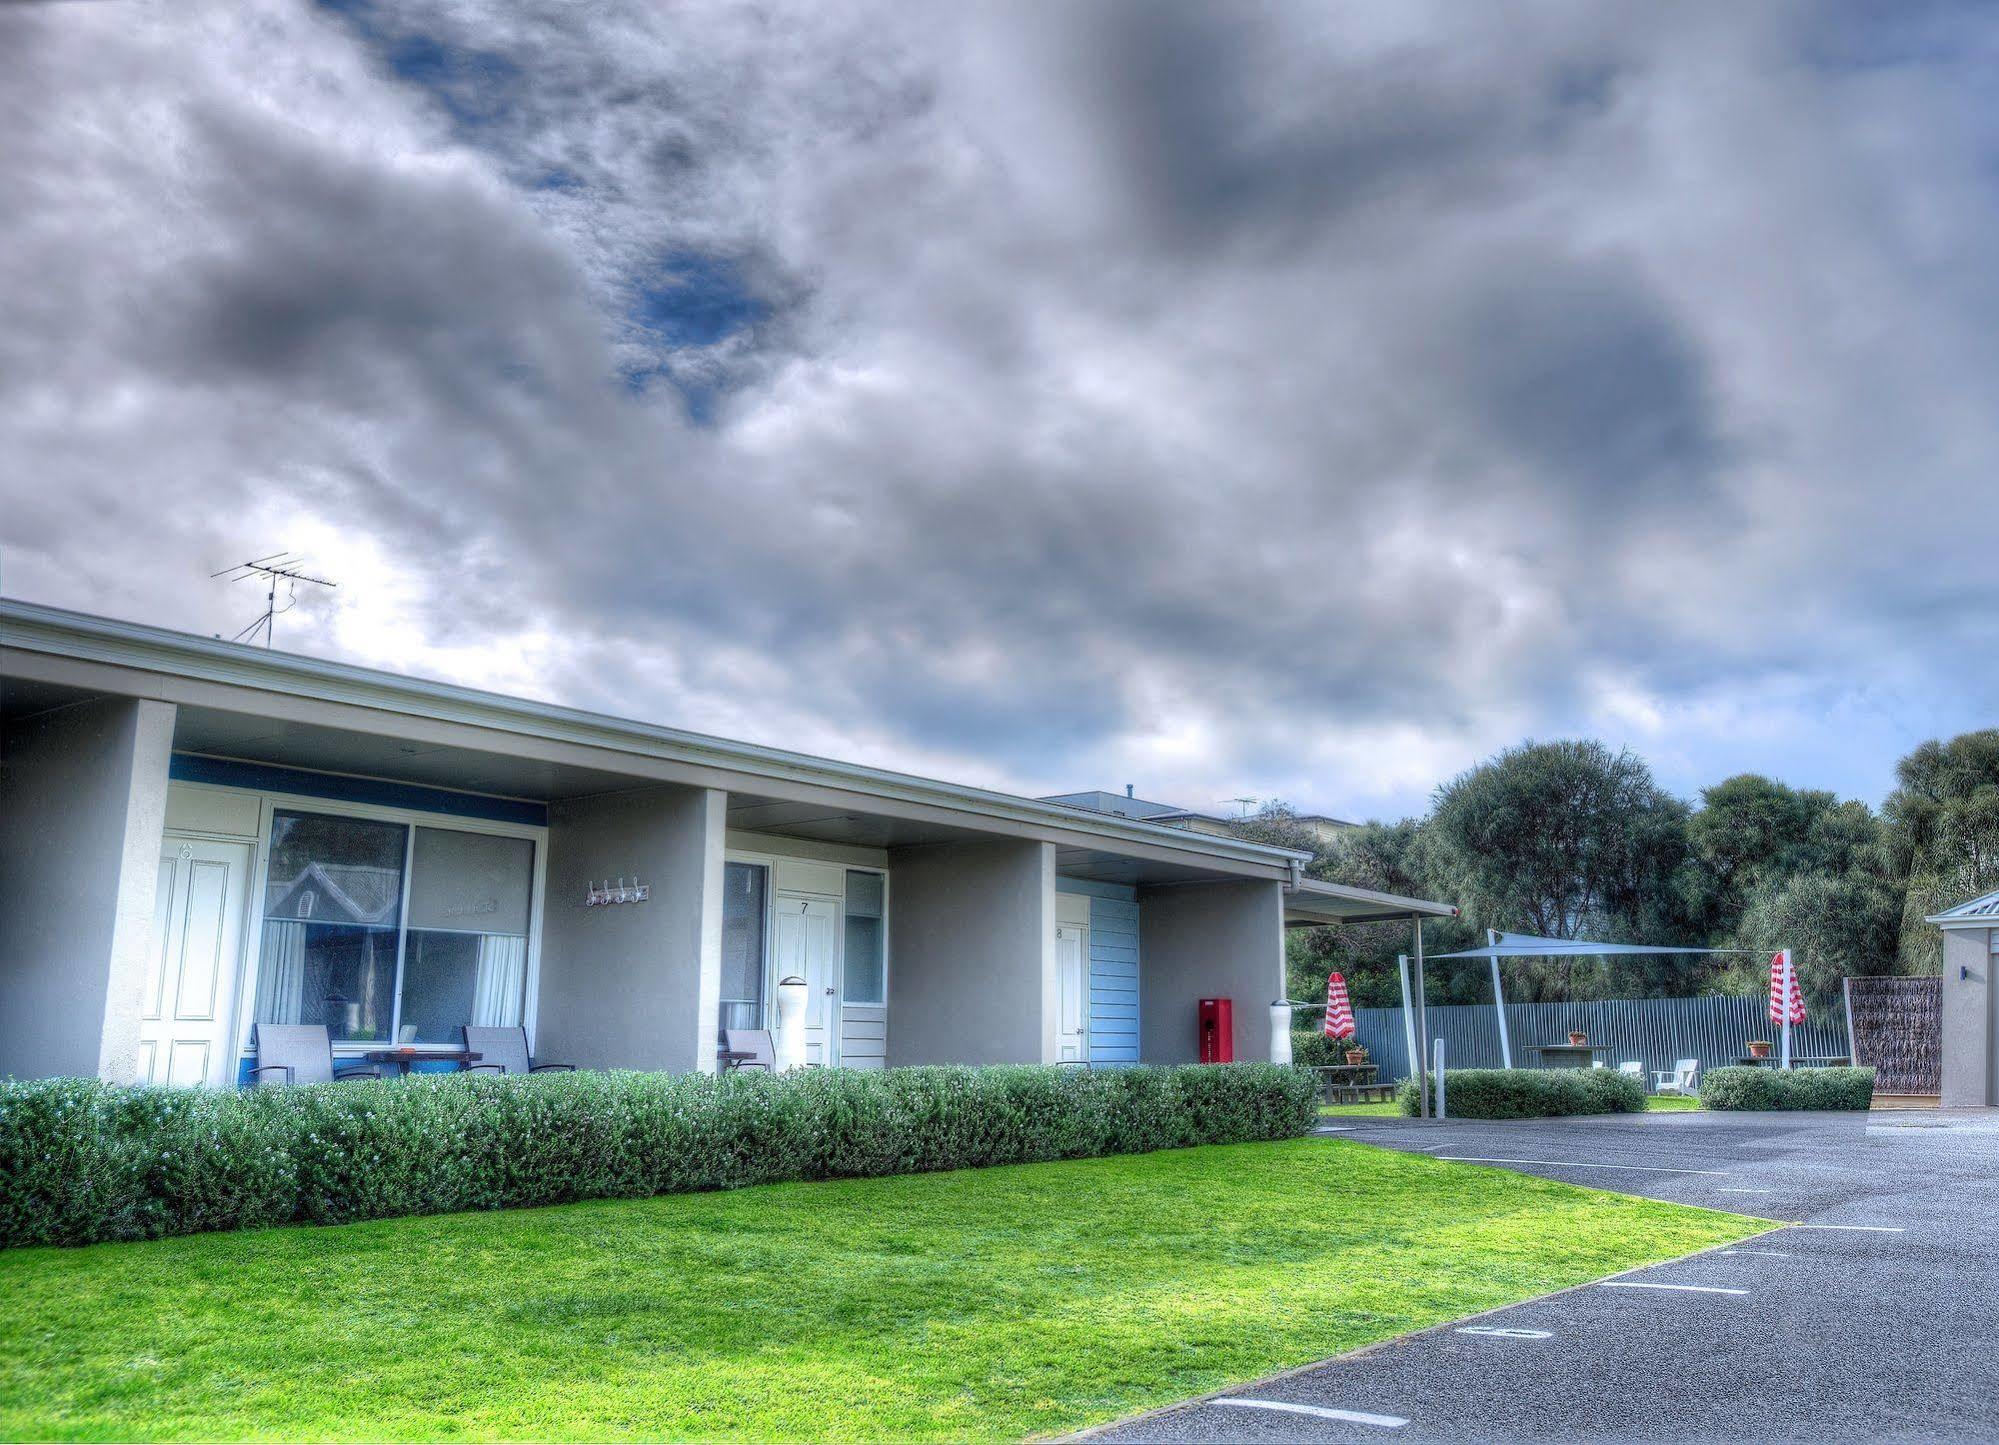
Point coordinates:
[(197, 837)]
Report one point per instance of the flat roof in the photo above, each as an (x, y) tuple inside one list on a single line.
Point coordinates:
[(1314, 903)]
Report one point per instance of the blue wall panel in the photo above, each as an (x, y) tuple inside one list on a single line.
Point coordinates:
[(1113, 992), (1113, 980)]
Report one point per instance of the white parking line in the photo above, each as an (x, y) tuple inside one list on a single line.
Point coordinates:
[(1503, 1333), (1759, 1253), (1745, 1191), (1679, 1288), (1862, 1228), (1317, 1412), (1581, 1164)]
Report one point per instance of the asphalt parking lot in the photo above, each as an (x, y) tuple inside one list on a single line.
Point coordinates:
[(1874, 1314)]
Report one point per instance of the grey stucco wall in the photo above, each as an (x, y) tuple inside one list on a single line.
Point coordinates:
[(1968, 1081), (83, 795), (972, 954), (1208, 940), (633, 986)]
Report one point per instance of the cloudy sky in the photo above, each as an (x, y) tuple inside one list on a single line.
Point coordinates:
[(1286, 401)]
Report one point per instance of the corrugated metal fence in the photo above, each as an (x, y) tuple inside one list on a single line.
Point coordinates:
[(1655, 1031)]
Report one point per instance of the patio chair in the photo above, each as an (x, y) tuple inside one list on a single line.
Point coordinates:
[(301, 1054), (505, 1051), (1633, 1069), (1682, 1078), (749, 1049)]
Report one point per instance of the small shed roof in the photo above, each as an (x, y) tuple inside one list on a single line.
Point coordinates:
[(1980, 912)]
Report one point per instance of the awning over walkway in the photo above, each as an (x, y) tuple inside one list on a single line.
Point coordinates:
[(1313, 904)]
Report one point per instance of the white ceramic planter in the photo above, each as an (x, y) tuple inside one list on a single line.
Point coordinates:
[(1280, 1033)]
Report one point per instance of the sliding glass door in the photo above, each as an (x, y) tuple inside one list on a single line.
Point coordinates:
[(393, 931)]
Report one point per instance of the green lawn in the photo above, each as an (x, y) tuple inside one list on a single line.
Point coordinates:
[(1392, 1110), (982, 1304), (1387, 1109), (1672, 1101)]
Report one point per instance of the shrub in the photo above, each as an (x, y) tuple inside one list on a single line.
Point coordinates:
[(82, 1161), (1744, 1087), (1531, 1093)]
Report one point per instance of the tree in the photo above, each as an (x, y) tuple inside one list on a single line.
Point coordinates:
[(1564, 839), (1942, 834), (1836, 926)]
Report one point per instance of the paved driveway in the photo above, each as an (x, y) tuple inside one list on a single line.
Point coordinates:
[(1874, 1315)]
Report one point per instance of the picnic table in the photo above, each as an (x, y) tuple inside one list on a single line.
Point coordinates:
[(1352, 1083), (1568, 1056)]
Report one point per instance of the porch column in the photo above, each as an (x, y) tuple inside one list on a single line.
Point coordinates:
[(1209, 940), (972, 954), (634, 985), (83, 796)]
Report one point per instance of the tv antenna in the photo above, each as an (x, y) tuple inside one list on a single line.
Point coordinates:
[(279, 567)]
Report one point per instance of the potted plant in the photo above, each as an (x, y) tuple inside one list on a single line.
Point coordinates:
[(1759, 1048), (1578, 1038), (1357, 1052)]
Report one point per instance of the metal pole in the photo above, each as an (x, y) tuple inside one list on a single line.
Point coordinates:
[(1409, 1036), (1442, 1112), (1422, 1018), (1499, 1002), (1852, 1048), (1790, 983)]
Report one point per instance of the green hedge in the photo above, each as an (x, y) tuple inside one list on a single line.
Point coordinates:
[(82, 1161), (1745, 1087), (1531, 1093)]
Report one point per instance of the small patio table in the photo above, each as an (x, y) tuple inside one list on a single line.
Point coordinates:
[(405, 1057)]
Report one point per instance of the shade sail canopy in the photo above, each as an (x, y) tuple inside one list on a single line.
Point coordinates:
[(1529, 945)]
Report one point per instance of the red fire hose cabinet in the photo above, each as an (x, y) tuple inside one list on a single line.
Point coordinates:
[(1217, 1031)]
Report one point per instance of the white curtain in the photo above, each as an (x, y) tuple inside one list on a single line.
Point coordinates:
[(496, 994), (281, 989)]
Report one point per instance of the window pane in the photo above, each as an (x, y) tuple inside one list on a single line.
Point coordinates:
[(466, 960), (332, 911), (471, 882), (863, 974), (742, 947)]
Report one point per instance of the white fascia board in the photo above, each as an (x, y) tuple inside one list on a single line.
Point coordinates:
[(35, 628)]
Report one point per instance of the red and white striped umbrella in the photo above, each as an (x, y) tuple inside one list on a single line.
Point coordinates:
[(1785, 995), (1339, 1012)]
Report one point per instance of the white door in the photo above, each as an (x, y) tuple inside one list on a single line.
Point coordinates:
[(806, 944), (185, 1034), (1072, 1019)]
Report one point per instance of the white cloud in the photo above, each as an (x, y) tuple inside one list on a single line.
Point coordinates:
[(1301, 404)]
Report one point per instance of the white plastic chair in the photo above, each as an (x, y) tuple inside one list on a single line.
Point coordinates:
[(1632, 1069), (1682, 1078)]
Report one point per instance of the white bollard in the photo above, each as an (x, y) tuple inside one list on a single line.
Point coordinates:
[(1439, 1050), (790, 1024)]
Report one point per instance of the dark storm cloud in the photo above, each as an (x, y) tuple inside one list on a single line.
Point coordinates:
[(1292, 399)]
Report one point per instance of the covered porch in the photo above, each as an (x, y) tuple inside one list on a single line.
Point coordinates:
[(252, 838)]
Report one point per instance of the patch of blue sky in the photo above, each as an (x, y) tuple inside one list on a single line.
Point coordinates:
[(475, 87)]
